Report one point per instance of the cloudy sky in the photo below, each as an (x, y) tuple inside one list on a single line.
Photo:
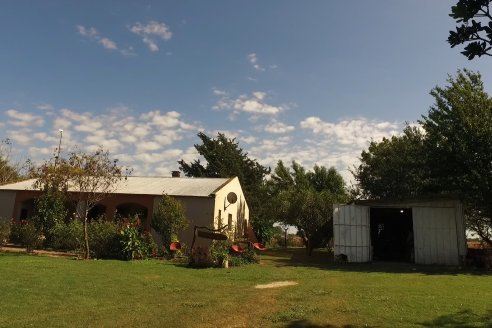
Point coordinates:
[(311, 81)]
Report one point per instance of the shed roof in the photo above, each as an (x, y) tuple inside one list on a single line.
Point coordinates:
[(195, 187)]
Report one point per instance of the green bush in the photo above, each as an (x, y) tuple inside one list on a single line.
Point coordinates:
[(250, 257), (27, 235), (69, 237), (135, 242), (169, 219), (4, 231), (104, 239), (50, 210), (220, 252)]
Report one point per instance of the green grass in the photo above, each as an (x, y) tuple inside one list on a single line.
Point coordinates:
[(42, 291)]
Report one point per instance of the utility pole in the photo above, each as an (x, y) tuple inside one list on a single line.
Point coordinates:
[(59, 147)]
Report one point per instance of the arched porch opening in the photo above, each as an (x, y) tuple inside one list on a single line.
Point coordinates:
[(130, 210)]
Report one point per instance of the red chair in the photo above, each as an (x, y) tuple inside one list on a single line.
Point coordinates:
[(175, 246), (237, 249), (259, 247)]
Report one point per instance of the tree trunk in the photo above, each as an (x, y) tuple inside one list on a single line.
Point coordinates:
[(86, 237)]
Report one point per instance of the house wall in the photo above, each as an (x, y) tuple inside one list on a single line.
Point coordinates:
[(236, 215), (7, 202), (200, 212)]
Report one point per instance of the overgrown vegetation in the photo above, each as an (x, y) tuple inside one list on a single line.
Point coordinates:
[(4, 231), (89, 176), (169, 219), (305, 200)]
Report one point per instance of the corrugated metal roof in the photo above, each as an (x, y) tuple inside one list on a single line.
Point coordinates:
[(197, 187)]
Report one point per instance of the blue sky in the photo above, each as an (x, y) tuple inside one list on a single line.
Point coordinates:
[(311, 81)]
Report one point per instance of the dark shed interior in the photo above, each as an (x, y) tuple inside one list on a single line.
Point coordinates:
[(392, 234)]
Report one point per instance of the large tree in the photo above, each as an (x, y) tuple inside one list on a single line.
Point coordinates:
[(475, 29), (225, 158), (394, 167), (89, 177), (305, 199), (452, 156), (458, 144)]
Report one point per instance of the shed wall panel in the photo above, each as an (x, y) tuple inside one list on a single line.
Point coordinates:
[(351, 232), (435, 235)]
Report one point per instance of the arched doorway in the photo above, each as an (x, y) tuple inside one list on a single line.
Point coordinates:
[(130, 210), (27, 209), (97, 213)]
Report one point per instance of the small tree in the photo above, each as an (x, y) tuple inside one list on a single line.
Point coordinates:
[(50, 210), (89, 177), (169, 219), (9, 172), (305, 199)]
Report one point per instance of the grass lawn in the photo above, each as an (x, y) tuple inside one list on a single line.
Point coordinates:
[(46, 292)]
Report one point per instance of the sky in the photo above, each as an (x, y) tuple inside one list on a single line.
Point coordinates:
[(310, 81)]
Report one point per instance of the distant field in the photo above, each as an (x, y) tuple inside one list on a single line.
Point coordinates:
[(41, 291)]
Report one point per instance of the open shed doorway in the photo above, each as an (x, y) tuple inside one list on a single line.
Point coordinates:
[(392, 234)]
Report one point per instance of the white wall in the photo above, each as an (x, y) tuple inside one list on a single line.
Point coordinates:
[(438, 227)]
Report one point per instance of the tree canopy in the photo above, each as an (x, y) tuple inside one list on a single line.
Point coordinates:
[(9, 172), (394, 167), (476, 27), (451, 156), (224, 159), (305, 199), (91, 176)]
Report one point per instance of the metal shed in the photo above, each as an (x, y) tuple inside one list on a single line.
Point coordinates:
[(423, 232)]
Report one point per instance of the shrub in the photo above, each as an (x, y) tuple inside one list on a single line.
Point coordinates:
[(220, 252), (4, 231), (135, 242), (27, 235), (104, 239), (68, 236), (50, 210), (169, 219), (14, 231), (250, 257)]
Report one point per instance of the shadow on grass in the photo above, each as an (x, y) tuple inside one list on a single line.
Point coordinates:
[(324, 260), (462, 319)]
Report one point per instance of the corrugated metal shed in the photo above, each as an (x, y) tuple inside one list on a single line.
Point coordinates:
[(195, 187), (438, 230)]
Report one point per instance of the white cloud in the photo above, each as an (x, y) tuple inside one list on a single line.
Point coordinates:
[(143, 147), (150, 31), (108, 44), (21, 119), (351, 132), (279, 127), (45, 107), (254, 104), (92, 34), (253, 59), (21, 137), (219, 92)]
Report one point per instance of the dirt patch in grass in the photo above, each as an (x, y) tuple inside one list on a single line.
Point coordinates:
[(277, 284), (17, 249)]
